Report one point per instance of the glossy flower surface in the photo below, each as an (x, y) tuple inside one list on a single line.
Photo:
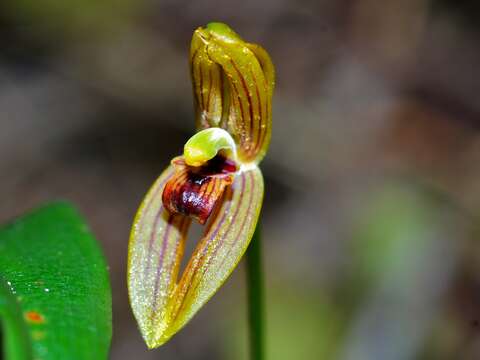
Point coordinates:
[(216, 182)]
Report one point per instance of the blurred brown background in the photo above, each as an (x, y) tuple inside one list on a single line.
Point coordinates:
[(372, 179)]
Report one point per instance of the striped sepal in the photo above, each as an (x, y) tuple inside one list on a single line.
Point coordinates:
[(154, 254), (209, 87), (221, 248), (233, 85), (162, 301)]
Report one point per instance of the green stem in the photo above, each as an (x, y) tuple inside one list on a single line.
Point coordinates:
[(255, 295)]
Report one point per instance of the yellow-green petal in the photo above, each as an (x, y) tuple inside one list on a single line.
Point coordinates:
[(154, 253), (164, 301), (220, 249)]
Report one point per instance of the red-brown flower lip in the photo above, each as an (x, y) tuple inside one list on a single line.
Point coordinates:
[(195, 191)]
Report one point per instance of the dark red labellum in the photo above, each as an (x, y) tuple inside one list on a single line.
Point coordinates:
[(194, 191)]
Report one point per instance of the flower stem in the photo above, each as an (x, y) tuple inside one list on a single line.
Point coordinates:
[(255, 295)]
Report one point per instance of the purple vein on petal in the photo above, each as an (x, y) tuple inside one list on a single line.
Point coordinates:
[(218, 226), (261, 131), (249, 100), (153, 197), (215, 232), (243, 223), (219, 245), (157, 218), (210, 84), (224, 216), (183, 227), (159, 189), (170, 221), (221, 241)]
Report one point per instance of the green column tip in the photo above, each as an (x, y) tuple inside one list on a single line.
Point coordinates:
[(222, 31)]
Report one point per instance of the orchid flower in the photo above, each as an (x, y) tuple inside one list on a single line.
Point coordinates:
[(216, 182)]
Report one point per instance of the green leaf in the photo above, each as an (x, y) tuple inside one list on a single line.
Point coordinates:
[(55, 297)]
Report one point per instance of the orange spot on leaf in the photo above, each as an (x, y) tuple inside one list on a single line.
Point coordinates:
[(34, 317)]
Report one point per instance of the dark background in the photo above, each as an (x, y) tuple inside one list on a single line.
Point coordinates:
[(372, 178)]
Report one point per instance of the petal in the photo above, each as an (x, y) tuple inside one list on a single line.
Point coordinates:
[(163, 304), (233, 84), (266, 64), (154, 254), (208, 87), (220, 249)]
